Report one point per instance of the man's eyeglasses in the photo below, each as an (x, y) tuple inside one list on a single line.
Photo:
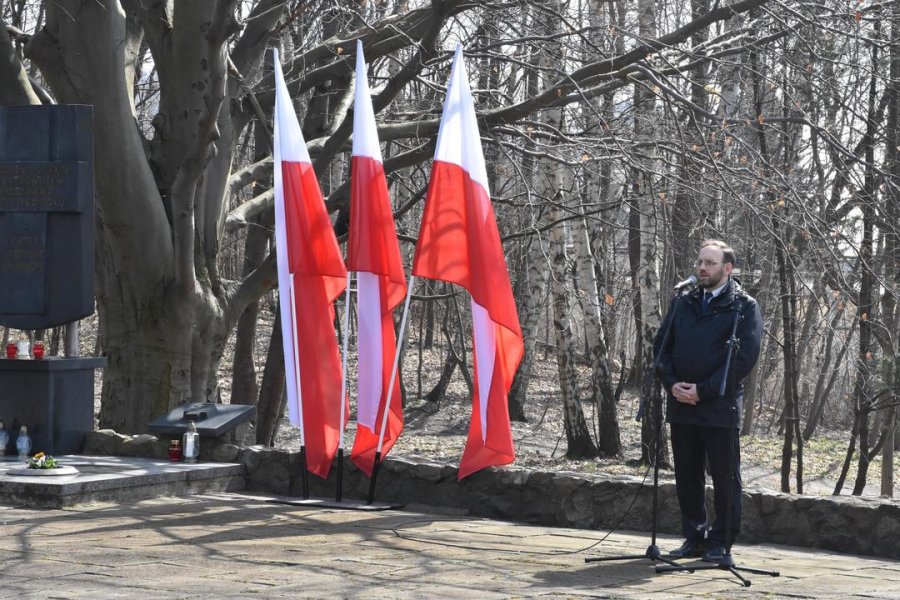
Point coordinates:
[(705, 263)]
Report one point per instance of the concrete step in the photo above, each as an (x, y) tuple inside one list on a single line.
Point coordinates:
[(114, 479)]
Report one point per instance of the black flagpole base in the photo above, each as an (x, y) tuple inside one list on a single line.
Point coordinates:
[(339, 492), (652, 554), (304, 472), (374, 478), (726, 564), (339, 502)]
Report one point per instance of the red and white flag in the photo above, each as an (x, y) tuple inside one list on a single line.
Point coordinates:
[(374, 254), (311, 274), (459, 243)]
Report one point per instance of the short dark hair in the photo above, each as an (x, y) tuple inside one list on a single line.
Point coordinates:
[(727, 251)]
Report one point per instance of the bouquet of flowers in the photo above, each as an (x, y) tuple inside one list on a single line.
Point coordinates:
[(42, 461)]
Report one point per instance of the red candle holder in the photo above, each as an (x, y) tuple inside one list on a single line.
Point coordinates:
[(175, 451), (38, 350), (11, 350)]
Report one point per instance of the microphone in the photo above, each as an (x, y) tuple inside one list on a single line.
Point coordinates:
[(692, 280)]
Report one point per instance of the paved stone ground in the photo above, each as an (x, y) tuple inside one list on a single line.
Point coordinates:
[(239, 546)]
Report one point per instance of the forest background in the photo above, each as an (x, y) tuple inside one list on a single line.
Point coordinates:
[(618, 134)]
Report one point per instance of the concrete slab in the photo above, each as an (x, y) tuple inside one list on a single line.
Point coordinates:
[(237, 546), (114, 478)]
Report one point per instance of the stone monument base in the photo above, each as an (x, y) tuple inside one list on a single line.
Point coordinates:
[(53, 397)]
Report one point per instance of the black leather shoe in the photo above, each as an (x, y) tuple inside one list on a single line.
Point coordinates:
[(689, 549), (715, 554)]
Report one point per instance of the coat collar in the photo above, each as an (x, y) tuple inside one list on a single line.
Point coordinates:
[(725, 297)]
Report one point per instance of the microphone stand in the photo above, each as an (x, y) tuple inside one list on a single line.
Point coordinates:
[(652, 553), (727, 563)]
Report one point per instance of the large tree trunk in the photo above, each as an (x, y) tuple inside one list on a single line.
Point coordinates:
[(164, 314), (17, 89)]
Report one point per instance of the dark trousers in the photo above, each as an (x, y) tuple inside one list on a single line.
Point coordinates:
[(692, 446)]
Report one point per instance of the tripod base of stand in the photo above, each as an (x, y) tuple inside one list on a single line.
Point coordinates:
[(653, 554), (726, 564), (343, 504)]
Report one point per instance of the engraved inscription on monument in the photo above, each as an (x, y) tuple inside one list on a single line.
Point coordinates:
[(23, 254), (39, 186), (31, 191), (23, 262)]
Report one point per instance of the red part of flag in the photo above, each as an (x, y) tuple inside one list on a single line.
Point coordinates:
[(311, 274), (459, 243), (373, 252), (319, 278)]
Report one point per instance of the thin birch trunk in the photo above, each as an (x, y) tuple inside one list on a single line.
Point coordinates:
[(864, 387), (608, 437), (578, 437), (891, 307), (647, 268)]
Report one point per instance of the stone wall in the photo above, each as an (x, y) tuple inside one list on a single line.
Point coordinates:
[(846, 524)]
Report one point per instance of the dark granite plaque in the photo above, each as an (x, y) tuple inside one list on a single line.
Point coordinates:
[(46, 215)]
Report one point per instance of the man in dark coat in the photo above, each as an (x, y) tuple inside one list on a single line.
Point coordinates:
[(692, 368)]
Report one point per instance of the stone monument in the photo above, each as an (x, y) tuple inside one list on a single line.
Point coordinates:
[(47, 268)]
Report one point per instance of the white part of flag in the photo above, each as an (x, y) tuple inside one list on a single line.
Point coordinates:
[(288, 146), (459, 142)]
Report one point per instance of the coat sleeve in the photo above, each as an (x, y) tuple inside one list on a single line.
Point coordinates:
[(664, 354), (749, 334)]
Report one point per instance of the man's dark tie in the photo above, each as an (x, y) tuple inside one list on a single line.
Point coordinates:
[(704, 305)]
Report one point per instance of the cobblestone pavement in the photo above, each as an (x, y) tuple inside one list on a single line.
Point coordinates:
[(240, 546)]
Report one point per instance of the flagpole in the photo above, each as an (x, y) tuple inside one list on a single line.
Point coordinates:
[(304, 471), (340, 456), (390, 394)]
